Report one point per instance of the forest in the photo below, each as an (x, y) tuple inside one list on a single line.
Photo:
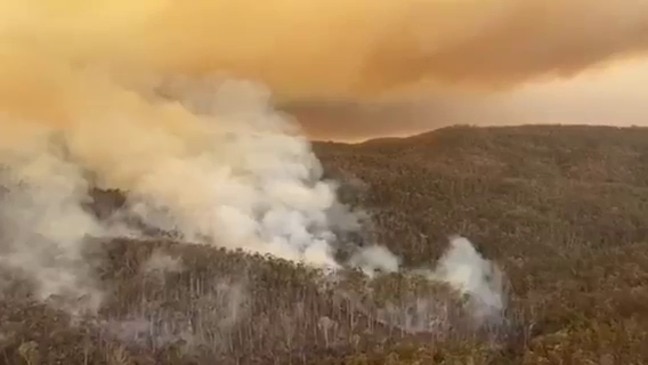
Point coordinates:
[(561, 210)]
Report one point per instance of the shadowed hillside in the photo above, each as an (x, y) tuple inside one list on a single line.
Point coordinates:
[(562, 210)]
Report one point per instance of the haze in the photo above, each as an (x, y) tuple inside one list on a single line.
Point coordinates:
[(614, 95), (347, 69)]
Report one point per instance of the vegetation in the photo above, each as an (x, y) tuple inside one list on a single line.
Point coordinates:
[(562, 210)]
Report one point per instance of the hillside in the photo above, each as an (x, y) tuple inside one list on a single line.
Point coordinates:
[(562, 211)]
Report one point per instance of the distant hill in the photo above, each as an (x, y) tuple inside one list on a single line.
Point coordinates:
[(580, 153)]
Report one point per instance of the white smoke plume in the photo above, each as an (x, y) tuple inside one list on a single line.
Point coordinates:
[(480, 280), (207, 159), (374, 259), (210, 161), (461, 267), (251, 185), (43, 228), (233, 175)]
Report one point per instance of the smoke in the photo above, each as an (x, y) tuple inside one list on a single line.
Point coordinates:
[(209, 321), (613, 96), (161, 263), (358, 121), (43, 228), (480, 280), (461, 267), (375, 258), (335, 49), (129, 96), (219, 167)]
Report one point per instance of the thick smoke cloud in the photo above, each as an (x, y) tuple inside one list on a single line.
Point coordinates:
[(320, 58), (104, 94), (334, 48)]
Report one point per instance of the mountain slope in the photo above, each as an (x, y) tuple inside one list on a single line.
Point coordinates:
[(561, 209)]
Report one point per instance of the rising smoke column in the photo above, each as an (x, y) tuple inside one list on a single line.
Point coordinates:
[(89, 94)]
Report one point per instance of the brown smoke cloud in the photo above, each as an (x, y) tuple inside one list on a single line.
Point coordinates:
[(335, 48), (613, 96), (54, 51)]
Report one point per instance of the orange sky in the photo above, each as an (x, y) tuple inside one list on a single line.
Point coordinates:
[(615, 95), (392, 66)]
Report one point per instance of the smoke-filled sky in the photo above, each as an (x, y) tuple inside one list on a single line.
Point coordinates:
[(145, 96), (130, 95), (614, 95), (339, 65)]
